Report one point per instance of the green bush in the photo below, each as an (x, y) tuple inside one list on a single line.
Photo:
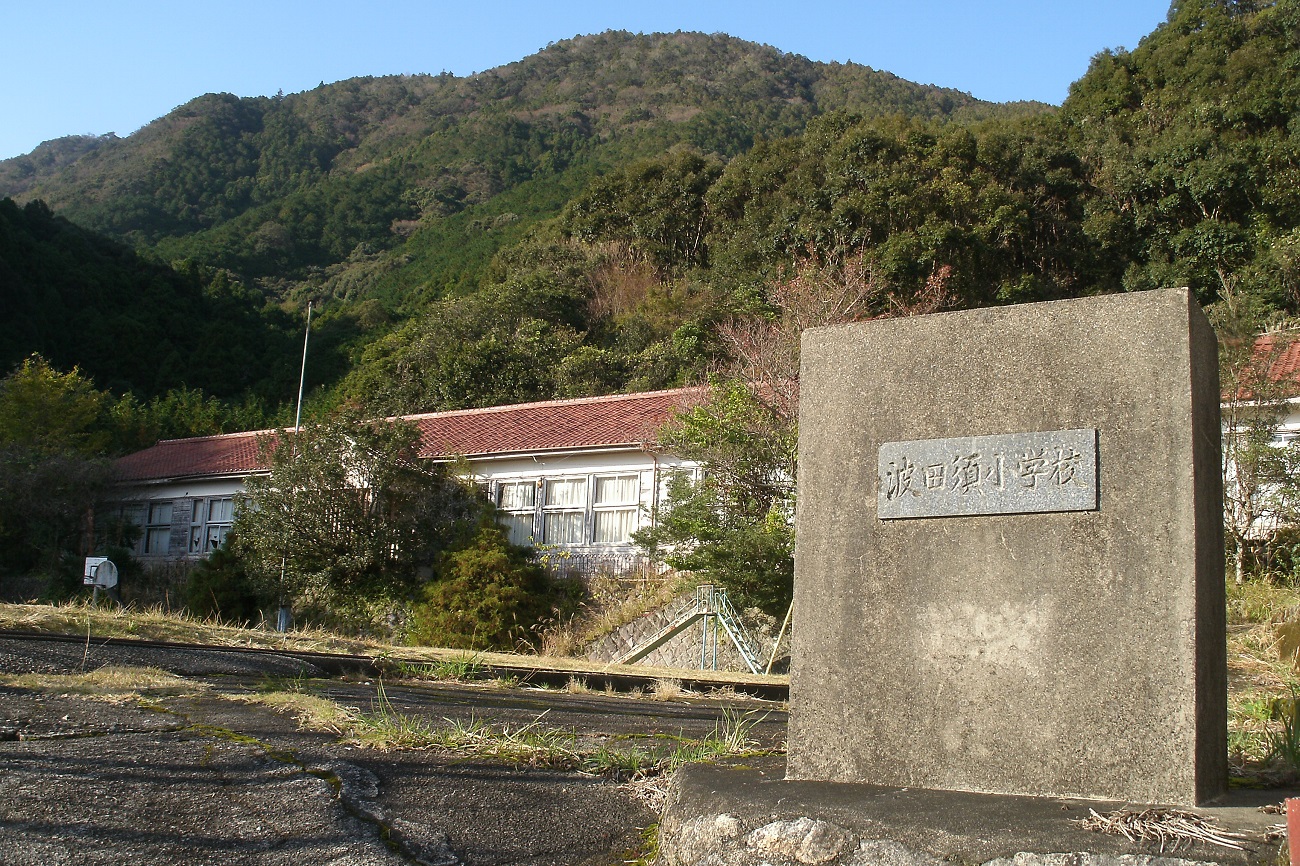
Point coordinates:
[(220, 587), (487, 595)]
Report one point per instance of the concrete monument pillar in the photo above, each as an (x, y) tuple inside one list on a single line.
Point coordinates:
[(1009, 562)]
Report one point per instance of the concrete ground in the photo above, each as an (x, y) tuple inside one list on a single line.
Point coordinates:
[(745, 814), (201, 779), (193, 777)]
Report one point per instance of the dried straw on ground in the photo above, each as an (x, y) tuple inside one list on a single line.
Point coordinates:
[(1170, 827)]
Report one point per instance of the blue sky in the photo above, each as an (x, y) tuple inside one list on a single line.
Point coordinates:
[(95, 67)]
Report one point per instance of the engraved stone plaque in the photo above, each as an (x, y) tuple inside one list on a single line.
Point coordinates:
[(1009, 473)]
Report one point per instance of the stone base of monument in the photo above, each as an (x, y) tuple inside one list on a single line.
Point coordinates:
[(747, 813)]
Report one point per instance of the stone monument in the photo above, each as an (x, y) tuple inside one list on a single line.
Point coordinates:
[(1009, 566)]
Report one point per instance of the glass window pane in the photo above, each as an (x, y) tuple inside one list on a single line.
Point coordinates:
[(517, 494), (196, 516), (564, 527), (615, 525), (221, 510), (134, 514), (619, 490), (196, 539), (567, 492), (519, 528), (157, 540), (216, 537), (160, 512)]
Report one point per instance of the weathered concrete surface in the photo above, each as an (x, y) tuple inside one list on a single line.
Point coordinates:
[(206, 780), (750, 815), (1068, 654), (153, 793), (18, 656), (214, 781)]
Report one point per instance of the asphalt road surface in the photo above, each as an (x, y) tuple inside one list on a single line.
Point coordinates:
[(199, 778)]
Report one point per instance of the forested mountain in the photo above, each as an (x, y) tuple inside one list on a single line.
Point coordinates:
[(132, 323), (277, 186), (585, 220), (1192, 148)]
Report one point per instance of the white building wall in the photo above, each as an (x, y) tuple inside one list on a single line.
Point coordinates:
[(185, 519), (581, 506)]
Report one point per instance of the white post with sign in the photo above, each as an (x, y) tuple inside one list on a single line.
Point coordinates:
[(100, 573)]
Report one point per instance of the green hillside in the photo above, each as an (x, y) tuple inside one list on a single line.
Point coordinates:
[(134, 324), (582, 221), (277, 187)]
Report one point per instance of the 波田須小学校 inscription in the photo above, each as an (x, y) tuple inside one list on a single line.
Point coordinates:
[(1010, 473)]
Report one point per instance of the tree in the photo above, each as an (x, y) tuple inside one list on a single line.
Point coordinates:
[(488, 595), (51, 412), (656, 205), (51, 468), (735, 525), (348, 513)]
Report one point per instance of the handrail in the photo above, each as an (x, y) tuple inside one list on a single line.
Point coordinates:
[(708, 600)]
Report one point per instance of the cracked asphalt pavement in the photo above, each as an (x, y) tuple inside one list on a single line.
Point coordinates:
[(201, 779)]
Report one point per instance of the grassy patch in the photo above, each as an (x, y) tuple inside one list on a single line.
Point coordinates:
[(535, 743), (111, 683), (457, 667), (1257, 602), (312, 712), (93, 623), (82, 618), (1263, 736)]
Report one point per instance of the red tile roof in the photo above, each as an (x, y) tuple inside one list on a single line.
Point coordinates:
[(202, 456), (591, 422), (1283, 352), (1275, 360), (622, 420)]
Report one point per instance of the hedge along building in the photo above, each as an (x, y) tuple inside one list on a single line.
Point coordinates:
[(576, 476)]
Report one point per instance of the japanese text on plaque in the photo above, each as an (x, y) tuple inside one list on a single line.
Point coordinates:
[(1003, 474)]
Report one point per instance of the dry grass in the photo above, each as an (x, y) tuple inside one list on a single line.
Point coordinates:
[(439, 663), (667, 690), (1261, 601), (312, 712), (1172, 828), (1262, 678), (613, 602), (577, 686), (383, 727), (111, 683), (156, 624)]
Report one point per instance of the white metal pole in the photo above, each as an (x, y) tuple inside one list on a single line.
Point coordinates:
[(302, 377), (284, 616)]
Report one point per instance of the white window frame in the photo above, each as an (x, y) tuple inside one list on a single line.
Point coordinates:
[(630, 506), (209, 531), (156, 529), (523, 514), (569, 509)]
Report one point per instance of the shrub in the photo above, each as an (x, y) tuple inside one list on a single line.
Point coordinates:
[(221, 587), (487, 595)]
